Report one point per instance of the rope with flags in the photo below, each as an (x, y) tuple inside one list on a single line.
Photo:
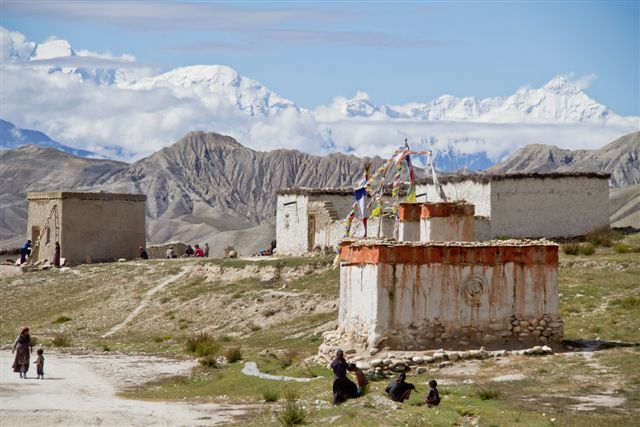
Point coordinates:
[(372, 186)]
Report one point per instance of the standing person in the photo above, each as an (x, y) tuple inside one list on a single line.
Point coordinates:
[(56, 256), (433, 398), (206, 250), (22, 347), (399, 390), (40, 364), (25, 251), (198, 252), (143, 253), (343, 387)]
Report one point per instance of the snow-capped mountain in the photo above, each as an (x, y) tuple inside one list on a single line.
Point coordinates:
[(12, 137), (558, 101), (248, 96)]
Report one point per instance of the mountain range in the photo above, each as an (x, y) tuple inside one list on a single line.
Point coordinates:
[(208, 187), (124, 110)]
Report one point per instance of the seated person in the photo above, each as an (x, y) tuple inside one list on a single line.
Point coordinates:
[(188, 252), (143, 253), (399, 390), (433, 398), (171, 253), (199, 252)]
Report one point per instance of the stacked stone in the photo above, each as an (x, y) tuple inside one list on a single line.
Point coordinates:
[(392, 363), (544, 329)]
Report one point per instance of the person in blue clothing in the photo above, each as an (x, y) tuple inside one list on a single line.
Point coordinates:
[(25, 251)]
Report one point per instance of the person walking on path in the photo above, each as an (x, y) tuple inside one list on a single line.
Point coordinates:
[(40, 364), (22, 347)]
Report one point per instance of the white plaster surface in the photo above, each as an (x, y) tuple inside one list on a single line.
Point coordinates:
[(457, 228)]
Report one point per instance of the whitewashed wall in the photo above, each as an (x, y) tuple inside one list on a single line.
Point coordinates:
[(548, 207), (292, 224), (477, 194)]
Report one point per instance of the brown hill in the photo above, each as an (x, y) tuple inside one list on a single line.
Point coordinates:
[(621, 159)]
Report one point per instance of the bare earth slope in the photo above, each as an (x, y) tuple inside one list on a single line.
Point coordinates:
[(624, 206), (621, 158)]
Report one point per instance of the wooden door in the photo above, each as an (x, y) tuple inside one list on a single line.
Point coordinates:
[(311, 230)]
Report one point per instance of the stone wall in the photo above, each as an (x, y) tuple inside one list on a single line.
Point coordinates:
[(412, 296)]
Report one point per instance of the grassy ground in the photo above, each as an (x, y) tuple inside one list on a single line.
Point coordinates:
[(600, 300)]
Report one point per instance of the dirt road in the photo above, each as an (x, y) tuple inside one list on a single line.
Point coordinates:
[(81, 390)]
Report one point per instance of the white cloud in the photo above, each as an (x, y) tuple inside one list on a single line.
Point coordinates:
[(76, 111), (14, 46)]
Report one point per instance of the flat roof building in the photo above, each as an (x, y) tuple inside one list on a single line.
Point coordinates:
[(88, 226)]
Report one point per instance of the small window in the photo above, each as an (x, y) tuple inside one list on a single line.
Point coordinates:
[(286, 221), (48, 235)]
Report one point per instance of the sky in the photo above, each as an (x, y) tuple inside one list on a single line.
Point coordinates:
[(397, 52)]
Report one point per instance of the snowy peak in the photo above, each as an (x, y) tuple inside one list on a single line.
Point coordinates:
[(209, 81), (561, 100)]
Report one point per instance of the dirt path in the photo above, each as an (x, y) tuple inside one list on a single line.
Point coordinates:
[(81, 390), (145, 300)]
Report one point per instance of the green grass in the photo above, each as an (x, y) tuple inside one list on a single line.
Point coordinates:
[(201, 344)]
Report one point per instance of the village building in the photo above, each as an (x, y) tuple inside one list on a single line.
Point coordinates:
[(426, 295), (88, 226), (529, 205), (532, 205)]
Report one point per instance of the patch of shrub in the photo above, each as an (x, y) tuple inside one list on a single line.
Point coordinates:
[(603, 236), (587, 249), (158, 339), (571, 248), (487, 393), (208, 361), (34, 341), (254, 328), (233, 354), (164, 300), (106, 348), (288, 358), (62, 319), (467, 411), (202, 344), (60, 340), (225, 338), (292, 413), (621, 248), (270, 395)]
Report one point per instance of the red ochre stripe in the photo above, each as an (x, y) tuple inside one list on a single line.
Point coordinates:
[(434, 254)]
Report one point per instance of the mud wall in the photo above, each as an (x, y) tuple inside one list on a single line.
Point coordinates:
[(428, 296)]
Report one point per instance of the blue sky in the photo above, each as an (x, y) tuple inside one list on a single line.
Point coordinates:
[(396, 51)]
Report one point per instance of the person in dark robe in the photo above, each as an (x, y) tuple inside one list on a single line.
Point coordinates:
[(143, 253), (206, 250), (25, 251), (22, 347), (56, 255), (433, 398), (399, 390), (188, 251), (343, 387)]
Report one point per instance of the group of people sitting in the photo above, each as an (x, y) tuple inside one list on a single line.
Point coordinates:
[(398, 390), (190, 251)]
